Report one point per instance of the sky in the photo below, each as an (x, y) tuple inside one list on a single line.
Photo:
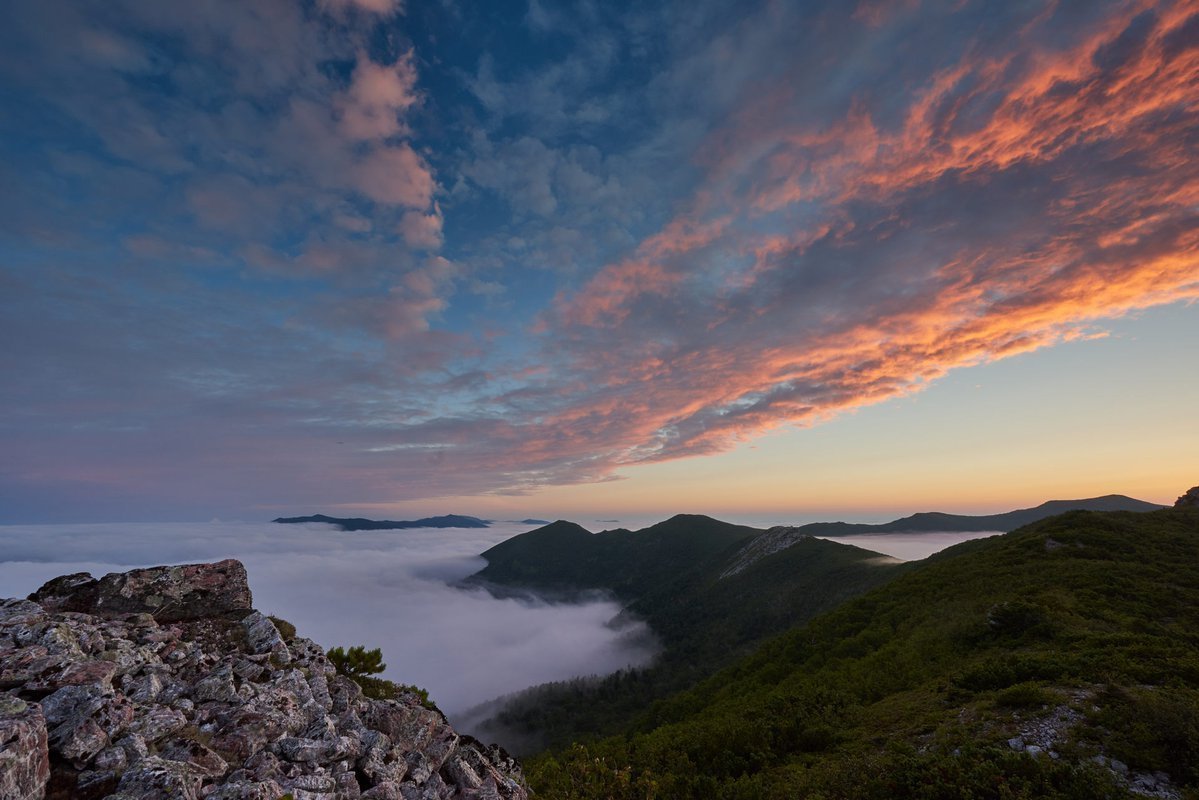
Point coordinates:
[(795, 259)]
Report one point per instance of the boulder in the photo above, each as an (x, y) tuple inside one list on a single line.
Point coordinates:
[(154, 778), (24, 752), (168, 594)]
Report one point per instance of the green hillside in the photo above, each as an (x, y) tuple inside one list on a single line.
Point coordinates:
[(565, 556), (673, 576), (1012, 667)]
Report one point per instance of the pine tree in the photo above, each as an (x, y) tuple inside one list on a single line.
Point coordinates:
[(357, 662)]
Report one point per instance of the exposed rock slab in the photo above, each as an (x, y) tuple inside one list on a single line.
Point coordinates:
[(168, 594), (764, 544)]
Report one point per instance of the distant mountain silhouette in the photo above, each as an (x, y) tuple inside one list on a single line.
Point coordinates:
[(363, 524), (567, 556), (932, 521)]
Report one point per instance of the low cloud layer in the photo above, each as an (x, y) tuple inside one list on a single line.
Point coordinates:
[(382, 589)]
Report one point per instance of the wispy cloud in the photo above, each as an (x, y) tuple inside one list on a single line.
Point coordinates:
[(1014, 199), (235, 234)]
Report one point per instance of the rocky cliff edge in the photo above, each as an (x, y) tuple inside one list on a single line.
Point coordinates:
[(164, 683)]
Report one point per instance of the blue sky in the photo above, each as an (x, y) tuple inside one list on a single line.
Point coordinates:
[(389, 257)]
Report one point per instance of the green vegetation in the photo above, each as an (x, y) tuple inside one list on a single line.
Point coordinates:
[(1078, 634), (704, 621), (285, 628), (357, 662), (360, 665), (564, 556)]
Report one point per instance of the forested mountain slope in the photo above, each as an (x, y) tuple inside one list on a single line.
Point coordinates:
[(676, 576), (1060, 660)]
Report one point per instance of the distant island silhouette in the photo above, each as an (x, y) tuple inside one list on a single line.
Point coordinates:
[(363, 524)]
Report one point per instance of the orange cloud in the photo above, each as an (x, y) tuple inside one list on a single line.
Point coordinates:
[(1044, 126)]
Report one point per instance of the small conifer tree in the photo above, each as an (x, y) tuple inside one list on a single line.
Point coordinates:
[(357, 662)]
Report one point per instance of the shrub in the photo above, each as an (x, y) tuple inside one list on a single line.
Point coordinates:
[(1025, 695), (357, 662)]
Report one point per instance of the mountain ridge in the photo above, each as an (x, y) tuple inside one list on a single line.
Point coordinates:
[(939, 521), (364, 524), (1054, 661)]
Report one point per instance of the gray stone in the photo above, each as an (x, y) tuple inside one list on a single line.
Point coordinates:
[(323, 784), (135, 747), (24, 750), (206, 761), (155, 722), (265, 638), (168, 594), (146, 688), (217, 686), (21, 612), (247, 790), (155, 778), (387, 790), (111, 758), (317, 751)]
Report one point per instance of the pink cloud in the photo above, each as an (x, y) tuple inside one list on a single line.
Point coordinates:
[(422, 230), (1105, 247), (378, 94), (395, 175), (381, 7)]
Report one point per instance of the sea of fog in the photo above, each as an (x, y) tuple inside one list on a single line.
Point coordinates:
[(388, 589), (909, 546)]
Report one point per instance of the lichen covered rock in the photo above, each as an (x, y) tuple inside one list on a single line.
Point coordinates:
[(24, 752), (164, 682)]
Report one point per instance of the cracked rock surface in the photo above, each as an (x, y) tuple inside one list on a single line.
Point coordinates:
[(165, 683)]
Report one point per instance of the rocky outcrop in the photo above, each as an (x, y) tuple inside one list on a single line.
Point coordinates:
[(164, 683), (169, 594), (780, 537), (1188, 500)]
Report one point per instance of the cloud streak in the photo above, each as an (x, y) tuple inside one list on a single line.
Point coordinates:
[(301, 257), (864, 260)]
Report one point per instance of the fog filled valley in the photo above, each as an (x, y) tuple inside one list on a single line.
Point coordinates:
[(391, 590), (701, 658), (395, 590), (764, 400)]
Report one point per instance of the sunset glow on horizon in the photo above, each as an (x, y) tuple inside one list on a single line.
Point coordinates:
[(786, 260)]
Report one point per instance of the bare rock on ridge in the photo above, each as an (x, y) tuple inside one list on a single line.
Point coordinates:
[(1189, 500), (169, 594), (163, 682)]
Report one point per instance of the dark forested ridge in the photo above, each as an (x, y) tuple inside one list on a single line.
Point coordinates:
[(679, 577), (566, 556), (1057, 661), (933, 521)]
